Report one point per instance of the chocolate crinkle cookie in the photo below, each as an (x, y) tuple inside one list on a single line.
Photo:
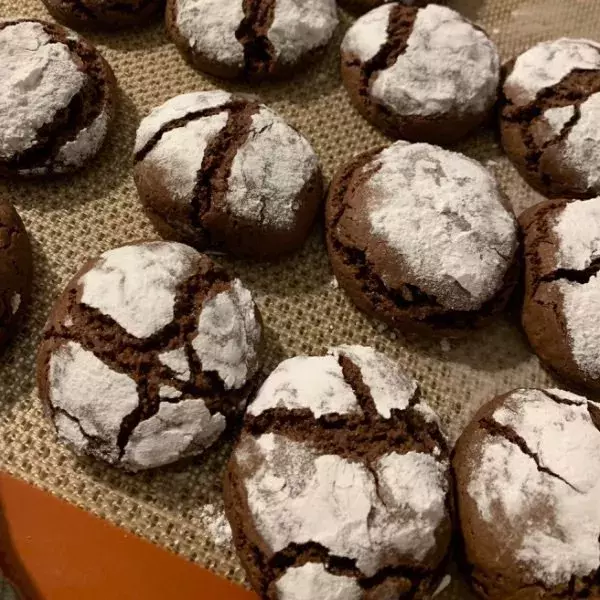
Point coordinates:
[(561, 311), (103, 14), (57, 96), (148, 354), (361, 6), (251, 39), (15, 270), (422, 237), (339, 487), (422, 74), (527, 473), (221, 171), (550, 117)]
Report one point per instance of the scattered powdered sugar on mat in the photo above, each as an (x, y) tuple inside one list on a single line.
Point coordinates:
[(300, 26), (546, 64), (442, 214), (448, 65), (39, 78), (210, 27), (215, 522), (269, 172), (552, 515)]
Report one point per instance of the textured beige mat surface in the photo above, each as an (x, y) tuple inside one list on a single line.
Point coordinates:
[(72, 219)]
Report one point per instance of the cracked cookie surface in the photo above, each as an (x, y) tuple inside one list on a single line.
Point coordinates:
[(362, 6), (421, 237), (421, 74), (221, 171), (339, 486), (550, 115), (527, 479), (148, 354), (251, 39), (15, 269), (562, 287), (103, 14), (57, 95)]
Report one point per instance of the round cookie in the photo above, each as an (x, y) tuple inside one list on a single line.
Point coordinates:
[(422, 74), (57, 95), (420, 236), (527, 472), (251, 39), (16, 270), (221, 171), (103, 14), (550, 117), (339, 486), (561, 310), (148, 354)]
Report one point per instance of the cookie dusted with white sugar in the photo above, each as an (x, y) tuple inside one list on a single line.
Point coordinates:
[(361, 6), (561, 309), (57, 96), (550, 117), (527, 474), (221, 171), (251, 39), (422, 74), (422, 237), (339, 486), (148, 354)]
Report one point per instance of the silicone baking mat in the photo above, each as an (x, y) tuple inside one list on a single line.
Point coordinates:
[(72, 219)]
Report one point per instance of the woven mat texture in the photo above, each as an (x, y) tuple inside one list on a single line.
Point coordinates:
[(79, 217)]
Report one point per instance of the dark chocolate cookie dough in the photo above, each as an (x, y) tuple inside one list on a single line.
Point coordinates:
[(422, 237), (57, 96), (422, 74), (103, 14), (561, 311), (251, 39), (148, 354), (15, 269), (550, 117), (527, 472), (339, 486), (224, 172)]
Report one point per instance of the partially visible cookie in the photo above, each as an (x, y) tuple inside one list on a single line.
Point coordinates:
[(221, 171), (527, 471), (58, 99), (251, 39), (361, 6), (550, 117), (422, 237), (148, 354), (561, 311), (16, 269), (422, 74), (339, 486), (103, 14)]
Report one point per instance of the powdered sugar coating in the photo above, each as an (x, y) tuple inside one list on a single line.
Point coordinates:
[(39, 78), (229, 336), (177, 108), (558, 117), (300, 26), (177, 361), (313, 382), (210, 27), (442, 215), (179, 154), (69, 432), (369, 33), (550, 519), (390, 388), (91, 393), (177, 430), (121, 282), (448, 66), (296, 495), (311, 581), (86, 144), (269, 172), (547, 64)]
